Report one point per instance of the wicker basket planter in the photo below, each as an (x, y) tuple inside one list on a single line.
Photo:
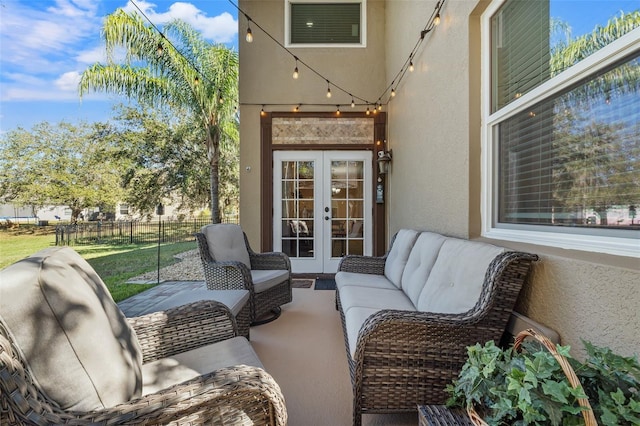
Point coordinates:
[(539, 383)]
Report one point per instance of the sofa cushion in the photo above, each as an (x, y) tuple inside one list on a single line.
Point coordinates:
[(455, 282), (268, 278), (80, 348), (353, 320), (226, 243), (398, 255), (382, 298), (421, 260), (235, 300), (344, 279), (166, 372)]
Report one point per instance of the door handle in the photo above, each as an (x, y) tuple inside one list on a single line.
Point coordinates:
[(326, 209), (327, 218)]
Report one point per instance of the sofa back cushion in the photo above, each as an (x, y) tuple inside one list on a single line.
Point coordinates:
[(226, 243), (78, 344), (398, 255), (420, 262), (456, 279)]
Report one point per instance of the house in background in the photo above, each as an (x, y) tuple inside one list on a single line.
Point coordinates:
[(474, 132)]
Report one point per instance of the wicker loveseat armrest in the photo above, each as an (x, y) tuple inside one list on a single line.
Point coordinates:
[(165, 333), (363, 264)]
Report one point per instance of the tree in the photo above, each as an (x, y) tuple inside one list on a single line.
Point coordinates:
[(186, 74), (163, 157), (59, 165)]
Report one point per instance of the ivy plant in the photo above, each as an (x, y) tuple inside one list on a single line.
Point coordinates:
[(528, 387)]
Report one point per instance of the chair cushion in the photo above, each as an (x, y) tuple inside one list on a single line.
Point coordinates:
[(346, 279), (397, 257), (353, 320), (268, 278), (226, 243), (78, 344), (421, 260), (166, 372), (232, 299), (457, 277)]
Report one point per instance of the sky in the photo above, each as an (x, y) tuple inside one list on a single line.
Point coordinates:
[(45, 46)]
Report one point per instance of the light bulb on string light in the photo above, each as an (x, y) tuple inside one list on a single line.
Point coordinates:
[(436, 20), (160, 49), (353, 103), (328, 89), (196, 80), (297, 108), (393, 93), (337, 109), (295, 71), (368, 112), (262, 113), (411, 67), (249, 36)]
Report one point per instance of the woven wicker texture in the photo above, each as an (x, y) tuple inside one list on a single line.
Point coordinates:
[(236, 275), (238, 395), (440, 415), (405, 358)]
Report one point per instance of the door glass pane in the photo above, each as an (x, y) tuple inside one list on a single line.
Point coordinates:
[(347, 207), (297, 208)]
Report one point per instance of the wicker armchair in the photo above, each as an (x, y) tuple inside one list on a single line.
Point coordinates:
[(229, 263), (58, 326), (406, 358)]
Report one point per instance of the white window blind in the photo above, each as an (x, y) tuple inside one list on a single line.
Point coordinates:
[(325, 23)]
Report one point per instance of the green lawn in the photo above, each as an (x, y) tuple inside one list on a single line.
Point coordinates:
[(115, 264)]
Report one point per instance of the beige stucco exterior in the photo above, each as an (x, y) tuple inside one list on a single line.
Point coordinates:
[(434, 128)]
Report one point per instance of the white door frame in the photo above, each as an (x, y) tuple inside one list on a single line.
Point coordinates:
[(321, 259)]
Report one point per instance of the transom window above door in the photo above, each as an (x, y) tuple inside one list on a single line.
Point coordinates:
[(321, 23)]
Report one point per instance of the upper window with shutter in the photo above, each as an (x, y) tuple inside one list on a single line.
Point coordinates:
[(325, 23)]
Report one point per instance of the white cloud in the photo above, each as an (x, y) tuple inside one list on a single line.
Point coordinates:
[(219, 29), (68, 82)]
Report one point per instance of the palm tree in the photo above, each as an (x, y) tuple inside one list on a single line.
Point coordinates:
[(186, 73)]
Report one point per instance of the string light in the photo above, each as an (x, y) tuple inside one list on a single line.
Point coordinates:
[(220, 99), (262, 113), (297, 108), (249, 36), (196, 80), (160, 49), (432, 22), (337, 109)]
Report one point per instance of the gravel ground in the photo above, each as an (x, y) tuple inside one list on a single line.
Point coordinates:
[(188, 268)]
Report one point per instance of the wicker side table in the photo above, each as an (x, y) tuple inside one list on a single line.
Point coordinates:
[(440, 415)]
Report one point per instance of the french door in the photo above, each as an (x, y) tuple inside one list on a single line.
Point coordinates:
[(322, 207)]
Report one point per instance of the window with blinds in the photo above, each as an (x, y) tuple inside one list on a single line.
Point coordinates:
[(563, 123), (325, 23)]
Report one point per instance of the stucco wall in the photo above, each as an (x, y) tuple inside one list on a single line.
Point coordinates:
[(434, 130), (266, 78)]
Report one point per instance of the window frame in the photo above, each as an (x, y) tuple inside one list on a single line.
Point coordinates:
[(363, 25), (616, 242)]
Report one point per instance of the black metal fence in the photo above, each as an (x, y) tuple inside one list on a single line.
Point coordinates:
[(136, 232)]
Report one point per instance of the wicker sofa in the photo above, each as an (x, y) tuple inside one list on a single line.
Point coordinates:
[(69, 356), (408, 316)]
